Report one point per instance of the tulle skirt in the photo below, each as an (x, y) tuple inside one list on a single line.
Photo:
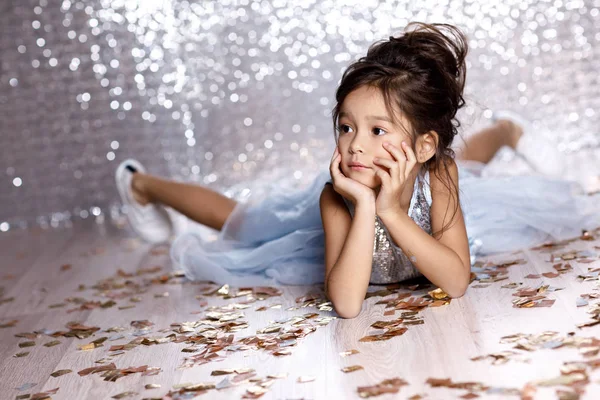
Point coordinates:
[(279, 239)]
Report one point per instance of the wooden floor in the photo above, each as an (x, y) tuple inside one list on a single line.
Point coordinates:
[(70, 286)]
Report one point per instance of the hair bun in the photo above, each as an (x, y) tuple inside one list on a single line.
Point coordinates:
[(444, 43)]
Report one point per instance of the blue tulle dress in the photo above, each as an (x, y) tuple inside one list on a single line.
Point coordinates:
[(279, 239)]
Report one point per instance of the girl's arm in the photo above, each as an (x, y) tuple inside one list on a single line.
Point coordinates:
[(444, 261), (348, 251)]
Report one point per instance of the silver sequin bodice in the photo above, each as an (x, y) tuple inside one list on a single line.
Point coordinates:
[(390, 264)]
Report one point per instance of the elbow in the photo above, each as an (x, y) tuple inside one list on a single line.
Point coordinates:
[(460, 286), (457, 293), (345, 308), (347, 311), (458, 290)]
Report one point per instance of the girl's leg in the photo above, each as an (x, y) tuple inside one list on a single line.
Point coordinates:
[(196, 202), (483, 145)]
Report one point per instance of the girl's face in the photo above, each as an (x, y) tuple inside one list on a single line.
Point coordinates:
[(364, 125)]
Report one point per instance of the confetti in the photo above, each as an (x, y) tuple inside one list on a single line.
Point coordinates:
[(9, 324), (152, 386), (124, 395), (352, 368), (389, 334), (386, 386), (60, 372)]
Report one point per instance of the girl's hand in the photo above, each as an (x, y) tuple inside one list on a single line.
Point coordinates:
[(349, 188), (394, 179)]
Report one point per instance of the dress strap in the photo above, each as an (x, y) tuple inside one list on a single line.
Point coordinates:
[(427, 188)]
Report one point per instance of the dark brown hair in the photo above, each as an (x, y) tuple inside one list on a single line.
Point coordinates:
[(421, 73)]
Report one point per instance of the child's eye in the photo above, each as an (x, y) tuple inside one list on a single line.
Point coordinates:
[(344, 128), (376, 130)]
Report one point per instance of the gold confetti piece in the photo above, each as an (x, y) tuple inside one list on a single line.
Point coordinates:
[(99, 341), (61, 372), (254, 392), (384, 336), (108, 304), (349, 353), (124, 395), (417, 321), (471, 386), (563, 380), (190, 387), (280, 376), (141, 324), (26, 344), (550, 274), (126, 307), (85, 347), (58, 305), (305, 379), (244, 370), (438, 294), (152, 386), (439, 303), (52, 343), (22, 354), (7, 300), (512, 285), (44, 395), (27, 335), (165, 294), (385, 386), (352, 368), (532, 276), (219, 372)]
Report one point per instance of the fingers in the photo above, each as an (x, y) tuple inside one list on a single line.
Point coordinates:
[(386, 179), (399, 156), (391, 165), (411, 159), (334, 167)]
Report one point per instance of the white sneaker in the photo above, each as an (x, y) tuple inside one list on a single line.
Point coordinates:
[(537, 151), (151, 221)]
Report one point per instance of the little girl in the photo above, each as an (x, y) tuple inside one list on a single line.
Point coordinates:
[(389, 208)]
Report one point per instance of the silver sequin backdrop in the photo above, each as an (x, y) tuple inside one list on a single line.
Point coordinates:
[(235, 93)]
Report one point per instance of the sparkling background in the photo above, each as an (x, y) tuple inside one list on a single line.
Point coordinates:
[(233, 94)]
